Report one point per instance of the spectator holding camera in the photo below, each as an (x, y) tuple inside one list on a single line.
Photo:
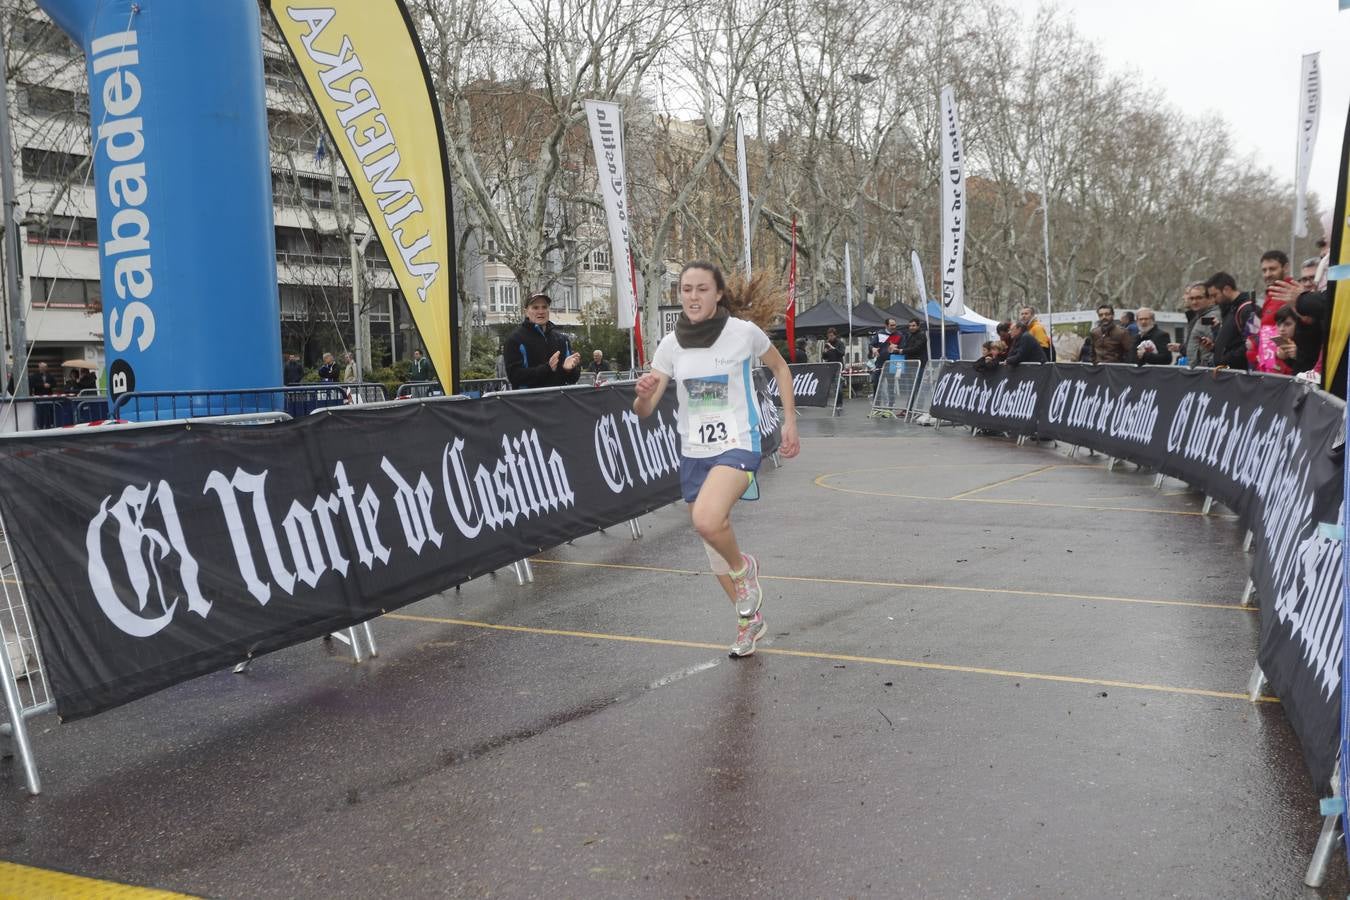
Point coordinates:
[(1238, 318), (1152, 347), (1203, 324), (1309, 312)]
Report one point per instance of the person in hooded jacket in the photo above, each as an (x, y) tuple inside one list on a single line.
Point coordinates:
[(537, 354)]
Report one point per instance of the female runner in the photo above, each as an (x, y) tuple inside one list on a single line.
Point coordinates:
[(710, 355)]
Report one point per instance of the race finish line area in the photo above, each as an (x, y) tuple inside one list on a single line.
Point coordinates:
[(989, 670)]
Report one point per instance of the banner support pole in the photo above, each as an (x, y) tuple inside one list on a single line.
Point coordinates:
[(18, 728)]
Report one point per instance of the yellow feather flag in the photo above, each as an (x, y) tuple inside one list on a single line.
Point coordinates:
[(364, 66), (1333, 372)]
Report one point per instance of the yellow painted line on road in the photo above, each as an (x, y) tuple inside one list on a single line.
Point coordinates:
[(820, 482), (987, 487), (837, 657), (963, 589), (26, 882)]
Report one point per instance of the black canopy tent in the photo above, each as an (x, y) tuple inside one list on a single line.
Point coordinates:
[(827, 314), (903, 313)]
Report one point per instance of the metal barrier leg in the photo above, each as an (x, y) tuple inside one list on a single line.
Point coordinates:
[(1249, 593), (636, 527), (1157, 481), (1247, 543), (1073, 451), (1209, 504), (1110, 464), (370, 639), (1321, 858), (1328, 840), (18, 728), (529, 570), (355, 641), (520, 573), (777, 463), (1256, 684)]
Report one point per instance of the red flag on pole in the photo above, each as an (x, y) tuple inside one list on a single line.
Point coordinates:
[(792, 298), (637, 315)]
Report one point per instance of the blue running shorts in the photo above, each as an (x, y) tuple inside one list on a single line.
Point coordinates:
[(694, 470)]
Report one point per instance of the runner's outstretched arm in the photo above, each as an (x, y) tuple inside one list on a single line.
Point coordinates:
[(649, 388), (774, 360)]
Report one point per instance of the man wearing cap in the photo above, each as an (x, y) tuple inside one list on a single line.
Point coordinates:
[(537, 355)]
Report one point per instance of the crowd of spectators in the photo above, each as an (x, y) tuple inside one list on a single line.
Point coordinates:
[(1280, 328)]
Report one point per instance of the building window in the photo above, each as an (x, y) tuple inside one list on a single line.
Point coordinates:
[(42, 36), (301, 190), (40, 100), (597, 261), (67, 293), (503, 296), (53, 165), (64, 230), (302, 303), (279, 73), (490, 249)]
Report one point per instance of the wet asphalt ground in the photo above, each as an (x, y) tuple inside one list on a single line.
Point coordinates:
[(991, 671)]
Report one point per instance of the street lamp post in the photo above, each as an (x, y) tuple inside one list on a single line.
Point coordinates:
[(861, 79), (480, 316)]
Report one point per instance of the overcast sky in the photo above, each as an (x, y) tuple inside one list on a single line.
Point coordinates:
[(1239, 58)]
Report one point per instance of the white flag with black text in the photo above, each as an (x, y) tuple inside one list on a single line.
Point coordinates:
[(953, 241)]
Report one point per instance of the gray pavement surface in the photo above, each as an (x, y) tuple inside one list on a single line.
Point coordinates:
[(991, 671)]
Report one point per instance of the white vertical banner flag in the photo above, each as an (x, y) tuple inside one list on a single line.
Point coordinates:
[(848, 287), (745, 192), (606, 121), (917, 265), (1309, 113), (953, 242)]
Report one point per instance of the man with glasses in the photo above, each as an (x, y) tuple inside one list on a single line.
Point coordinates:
[(1152, 348), (1203, 323), (1307, 278)]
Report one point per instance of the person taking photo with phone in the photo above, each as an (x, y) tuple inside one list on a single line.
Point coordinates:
[(1204, 321)]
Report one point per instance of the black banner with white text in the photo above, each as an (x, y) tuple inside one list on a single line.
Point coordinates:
[(813, 384), (154, 554), (1269, 448)]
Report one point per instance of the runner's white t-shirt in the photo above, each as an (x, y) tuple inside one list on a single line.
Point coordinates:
[(716, 391)]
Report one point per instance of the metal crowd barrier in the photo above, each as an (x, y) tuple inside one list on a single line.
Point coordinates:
[(55, 411), (900, 381), (294, 400), (418, 390)]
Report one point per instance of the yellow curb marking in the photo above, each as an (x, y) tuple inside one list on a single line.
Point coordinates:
[(835, 657), (907, 585), (24, 882)]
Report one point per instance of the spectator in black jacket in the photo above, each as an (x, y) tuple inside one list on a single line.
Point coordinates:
[(1238, 310), (1151, 348), (916, 342), (1025, 348), (537, 354), (294, 372)]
